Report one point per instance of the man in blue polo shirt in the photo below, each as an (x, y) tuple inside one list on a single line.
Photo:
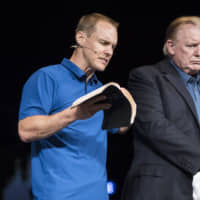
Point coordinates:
[(68, 148)]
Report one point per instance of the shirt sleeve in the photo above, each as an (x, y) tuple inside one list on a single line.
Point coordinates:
[(37, 95), (113, 130)]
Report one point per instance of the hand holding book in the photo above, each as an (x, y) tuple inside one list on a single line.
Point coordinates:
[(123, 109), (89, 107)]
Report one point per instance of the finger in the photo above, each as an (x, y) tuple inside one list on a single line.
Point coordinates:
[(103, 106), (97, 99)]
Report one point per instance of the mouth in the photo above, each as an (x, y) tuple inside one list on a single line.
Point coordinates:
[(196, 62), (104, 60)]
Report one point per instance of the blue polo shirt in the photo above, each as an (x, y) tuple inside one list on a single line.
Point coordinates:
[(71, 164)]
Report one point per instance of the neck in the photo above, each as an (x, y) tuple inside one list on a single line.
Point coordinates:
[(78, 60), (89, 73)]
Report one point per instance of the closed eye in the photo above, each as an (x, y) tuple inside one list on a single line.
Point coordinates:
[(192, 45), (107, 43)]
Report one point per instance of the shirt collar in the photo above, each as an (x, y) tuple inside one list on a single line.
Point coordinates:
[(186, 77), (73, 68), (76, 70)]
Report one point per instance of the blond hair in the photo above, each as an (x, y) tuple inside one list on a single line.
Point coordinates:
[(175, 25), (87, 22)]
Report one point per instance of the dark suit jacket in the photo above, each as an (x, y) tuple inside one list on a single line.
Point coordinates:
[(166, 136)]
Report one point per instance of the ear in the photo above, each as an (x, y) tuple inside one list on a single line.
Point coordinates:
[(170, 44), (80, 38)]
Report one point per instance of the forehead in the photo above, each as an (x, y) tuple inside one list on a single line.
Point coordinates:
[(189, 32), (106, 31)]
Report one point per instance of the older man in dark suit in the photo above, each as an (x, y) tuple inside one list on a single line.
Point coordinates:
[(167, 126)]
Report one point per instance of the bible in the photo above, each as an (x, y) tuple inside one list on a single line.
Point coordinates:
[(123, 110)]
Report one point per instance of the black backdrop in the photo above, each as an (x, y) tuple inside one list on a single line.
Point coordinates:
[(36, 34)]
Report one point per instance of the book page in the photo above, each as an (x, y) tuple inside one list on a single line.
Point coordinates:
[(93, 93), (128, 95)]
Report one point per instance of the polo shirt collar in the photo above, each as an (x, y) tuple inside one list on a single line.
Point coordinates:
[(76, 70), (73, 68)]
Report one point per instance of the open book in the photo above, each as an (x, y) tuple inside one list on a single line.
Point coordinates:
[(123, 110)]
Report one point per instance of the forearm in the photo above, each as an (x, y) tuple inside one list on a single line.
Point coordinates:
[(40, 126)]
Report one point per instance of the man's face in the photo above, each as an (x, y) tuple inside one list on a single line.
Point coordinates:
[(99, 46), (185, 50)]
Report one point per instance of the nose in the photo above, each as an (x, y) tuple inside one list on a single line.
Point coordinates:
[(197, 51), (109, 50)]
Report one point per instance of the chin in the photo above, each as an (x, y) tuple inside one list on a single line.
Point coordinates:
[(193, 72), (195, 69), (100, 68)]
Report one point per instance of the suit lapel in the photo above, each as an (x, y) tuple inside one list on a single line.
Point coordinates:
[(170, 73)]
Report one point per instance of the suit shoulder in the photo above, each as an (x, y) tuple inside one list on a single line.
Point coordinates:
[(146, 69), (149, 72)]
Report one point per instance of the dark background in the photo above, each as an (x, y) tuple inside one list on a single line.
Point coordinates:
[(34, 35)]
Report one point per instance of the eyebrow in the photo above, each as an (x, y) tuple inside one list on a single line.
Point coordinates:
[(108, 42)]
